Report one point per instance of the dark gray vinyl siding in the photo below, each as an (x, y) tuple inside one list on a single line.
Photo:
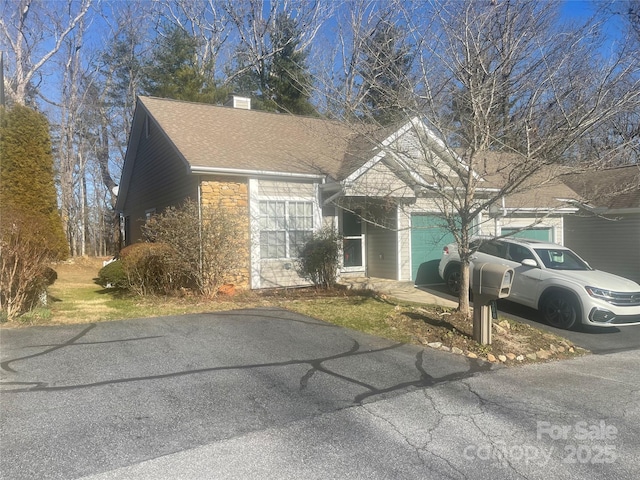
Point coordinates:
[(609, 245), (159, 179)]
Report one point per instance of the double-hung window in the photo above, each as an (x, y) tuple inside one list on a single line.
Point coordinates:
[(285, 226)]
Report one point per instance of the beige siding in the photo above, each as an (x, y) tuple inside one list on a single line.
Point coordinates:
[(280, 273), (382, 254), (412, 152), (272, 273), (159, 179), (609, 245), (279, 189), (379, 181)]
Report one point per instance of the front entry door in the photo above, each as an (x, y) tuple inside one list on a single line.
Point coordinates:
[(352, 241)]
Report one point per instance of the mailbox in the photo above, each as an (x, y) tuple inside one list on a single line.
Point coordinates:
[(492, 280)]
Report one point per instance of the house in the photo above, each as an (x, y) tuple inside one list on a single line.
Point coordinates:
[(293, 175), (606, 230)]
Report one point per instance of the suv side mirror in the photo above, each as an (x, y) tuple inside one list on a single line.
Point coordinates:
[(529, 262)]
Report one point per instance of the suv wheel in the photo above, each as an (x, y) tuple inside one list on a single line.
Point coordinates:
[(452, 279), (560, 310)]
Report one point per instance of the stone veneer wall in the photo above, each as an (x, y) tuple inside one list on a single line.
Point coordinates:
[(232, 194)]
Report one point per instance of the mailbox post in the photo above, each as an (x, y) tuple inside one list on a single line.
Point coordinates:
[(490, 282)]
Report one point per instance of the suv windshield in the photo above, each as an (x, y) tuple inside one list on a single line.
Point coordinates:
[(561, 259)]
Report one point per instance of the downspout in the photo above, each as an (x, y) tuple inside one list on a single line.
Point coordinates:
[(201, 251)]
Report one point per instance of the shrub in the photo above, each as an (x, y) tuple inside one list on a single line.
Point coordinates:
[(150, 268), (24, 257), (208, 253), (319, 258), (113, 275)]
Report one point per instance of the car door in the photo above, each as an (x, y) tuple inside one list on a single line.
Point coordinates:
[(526, 280)]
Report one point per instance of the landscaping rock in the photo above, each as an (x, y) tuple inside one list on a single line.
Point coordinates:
[(502, 358), (543, 354), (511, 356), (471, 355), (499, 330), (491, 357), (456, 350), (435, 344), (520, 358), (532, 356), (444, 348)]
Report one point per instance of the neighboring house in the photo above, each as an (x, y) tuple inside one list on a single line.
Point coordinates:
[(294, 175), (606, 230)]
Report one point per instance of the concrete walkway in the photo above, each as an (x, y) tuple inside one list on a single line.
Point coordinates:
[(405, 291)]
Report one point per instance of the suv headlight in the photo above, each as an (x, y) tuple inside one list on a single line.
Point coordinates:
[(606, 295)]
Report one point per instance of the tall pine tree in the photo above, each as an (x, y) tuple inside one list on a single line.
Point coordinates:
[(277, 79), (174, 71), (290, 82), (386, 74)]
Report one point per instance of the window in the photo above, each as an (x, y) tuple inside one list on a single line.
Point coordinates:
[(495, 248), (285, 226), (518, 253), (560, 259)]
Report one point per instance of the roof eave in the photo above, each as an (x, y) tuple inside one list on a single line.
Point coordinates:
[(202, 170)]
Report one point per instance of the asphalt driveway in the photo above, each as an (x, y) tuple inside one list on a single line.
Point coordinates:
[(83, 399), (273, 395)]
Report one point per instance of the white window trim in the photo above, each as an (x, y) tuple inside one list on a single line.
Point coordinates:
[(254, 222), (287, 202)]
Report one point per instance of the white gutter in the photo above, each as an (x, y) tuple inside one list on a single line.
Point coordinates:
[(554, 210), (265, 173)]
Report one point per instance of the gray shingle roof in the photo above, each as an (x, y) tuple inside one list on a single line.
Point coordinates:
[(211, 136), (543, 188), (613, 188)]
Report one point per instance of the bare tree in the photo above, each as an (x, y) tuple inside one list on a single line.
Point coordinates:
[(509, 79), (255, 21), (34, 33), (504, 96), (347, 50), (204, 20)]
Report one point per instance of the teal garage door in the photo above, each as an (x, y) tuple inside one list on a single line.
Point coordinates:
[(429, 235), (542, 234)]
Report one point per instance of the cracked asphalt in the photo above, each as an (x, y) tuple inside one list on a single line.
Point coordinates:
[(271, 394)]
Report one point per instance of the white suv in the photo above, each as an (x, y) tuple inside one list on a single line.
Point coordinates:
[(554, 280)]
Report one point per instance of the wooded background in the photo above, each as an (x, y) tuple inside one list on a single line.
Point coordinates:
[(488, 75)]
